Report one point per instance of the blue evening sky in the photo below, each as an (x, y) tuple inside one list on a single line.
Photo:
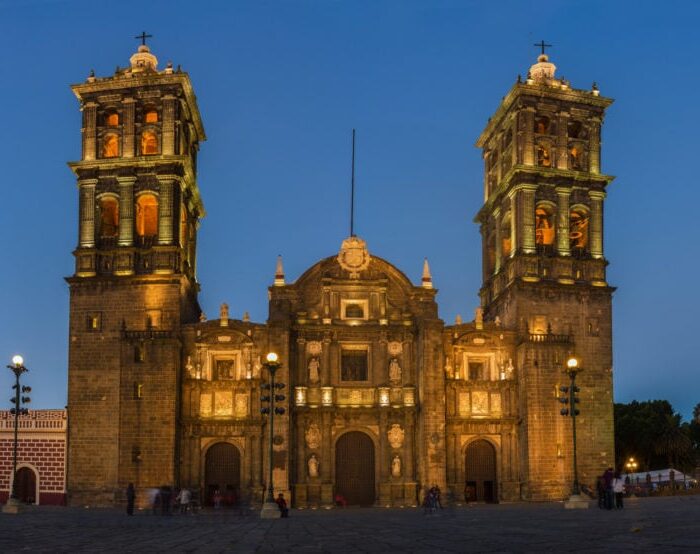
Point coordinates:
[(280, 86)]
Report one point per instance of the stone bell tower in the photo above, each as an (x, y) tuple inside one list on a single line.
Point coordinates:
[(134, 283), (544, 269)]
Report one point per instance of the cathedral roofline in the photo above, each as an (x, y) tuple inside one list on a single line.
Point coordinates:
[(539, 91)]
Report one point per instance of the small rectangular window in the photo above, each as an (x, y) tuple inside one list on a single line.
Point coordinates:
[(353, 365), (225, 369), (94, 321)]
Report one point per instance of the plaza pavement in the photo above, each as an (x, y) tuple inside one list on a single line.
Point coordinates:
[(670, 524)]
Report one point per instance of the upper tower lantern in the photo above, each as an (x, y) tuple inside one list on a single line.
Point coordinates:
[(543, 187), (138, 173)]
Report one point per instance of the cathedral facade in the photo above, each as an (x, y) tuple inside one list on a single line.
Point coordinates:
[(382, 398)]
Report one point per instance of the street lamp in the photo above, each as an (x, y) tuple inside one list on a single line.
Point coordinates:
[(17, 367), (631, 465), (571, 399), (270, 509)]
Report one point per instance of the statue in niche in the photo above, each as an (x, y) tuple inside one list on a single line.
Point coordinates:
[(396, 466), (448, 366), (509, 369), (257, 367), (313, 466), (479, 318), (313, 370), (190, 367), (394, 370), (313, 436)]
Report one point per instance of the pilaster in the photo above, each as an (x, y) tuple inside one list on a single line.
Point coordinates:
[(596, 230), (563, 245), (562, 141), (89, 131), (165, 209), (126, 210), (87, 212), (528, 120), (168, 125), (128, 127), (594, 146)]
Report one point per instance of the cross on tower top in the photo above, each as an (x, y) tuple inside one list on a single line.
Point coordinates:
[(542, 45), (143, 36)]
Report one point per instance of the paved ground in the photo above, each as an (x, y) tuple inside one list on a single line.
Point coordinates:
[(645, 525)]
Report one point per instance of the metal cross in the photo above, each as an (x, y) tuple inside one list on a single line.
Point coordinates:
[(542, 45), (143, 36)]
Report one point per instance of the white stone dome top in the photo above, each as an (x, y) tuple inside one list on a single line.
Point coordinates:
[(543, 70), (143, 60)]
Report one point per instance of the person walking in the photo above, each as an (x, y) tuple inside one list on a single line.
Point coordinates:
[(282, 504), (184, 497), (618, 490), (130, 499)]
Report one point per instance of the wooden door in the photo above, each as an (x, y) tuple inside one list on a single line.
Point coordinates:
[(480, 472), (26, 485), (354, 469), (223, 473)]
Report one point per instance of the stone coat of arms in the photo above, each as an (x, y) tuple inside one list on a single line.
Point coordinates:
[(354, 256), (395, 435)]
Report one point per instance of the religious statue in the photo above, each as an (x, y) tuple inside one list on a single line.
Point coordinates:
[(223, 315), (313, 466), (257, 367), (396, 466), (190, 367), (313, 436), (479, 318), (313, 370), (394, 370), (448, 366), (510, 369)]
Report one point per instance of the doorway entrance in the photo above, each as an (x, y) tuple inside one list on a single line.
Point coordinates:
[(222, 474), (26, 485), (354, 469), (480, 473)]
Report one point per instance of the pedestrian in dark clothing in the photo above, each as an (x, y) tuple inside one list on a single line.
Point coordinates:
[(600, 489), (130, 499), (166, 495), (282, 504), (608, 477)]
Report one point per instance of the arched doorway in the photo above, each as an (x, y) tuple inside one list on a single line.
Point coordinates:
[(354, 468), (222, 472), (480, 473), (26, 485)]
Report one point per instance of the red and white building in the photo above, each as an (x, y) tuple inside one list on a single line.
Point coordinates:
[(41, 456)]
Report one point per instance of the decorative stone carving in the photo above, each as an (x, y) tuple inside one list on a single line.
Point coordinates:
[(314, 347), (479, 318), (394, 370), (313, 466), (396, 466), (189, 366), (395, 435), (223, 403), (448, 366), (313, 437), (354, 256), (257, 367), (480, 403), (313, 370), (205, 405), (223, 315), (240, 406), (395, 348)]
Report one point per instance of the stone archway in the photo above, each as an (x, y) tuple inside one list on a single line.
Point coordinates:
[(480, 472), (222, 472), (26, 485), (354, 468)]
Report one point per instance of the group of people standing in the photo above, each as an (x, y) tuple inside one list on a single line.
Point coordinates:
[(161, 500), (611, 490)]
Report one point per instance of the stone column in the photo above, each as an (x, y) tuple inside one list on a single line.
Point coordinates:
[(563, 141), (302, 374), (126, 210), (528, 140), (594, 145), (87, 213), (326, 363), (596, 223), (89, 131), (128, 140), (527, 218), (165, 209), (168, 128), (498, 250), (563, 245), (514, 234)]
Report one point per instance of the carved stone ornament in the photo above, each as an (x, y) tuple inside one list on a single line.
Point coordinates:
[(395, 348), (395, 435), (313, 437), (314, 347), (354, 256)]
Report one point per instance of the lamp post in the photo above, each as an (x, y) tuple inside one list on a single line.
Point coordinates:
[(572, 369), (631, 465), (270, 509), (17, 367)]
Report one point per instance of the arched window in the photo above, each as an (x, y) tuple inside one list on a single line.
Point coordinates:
[(578, 229), (541, 125), (544, 158), (110, 146), (544, 224), (151, 116), (112, 119), (574, 129), (575, 157), (147, 215), (506, 242), (149, 143), (109, 217)]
